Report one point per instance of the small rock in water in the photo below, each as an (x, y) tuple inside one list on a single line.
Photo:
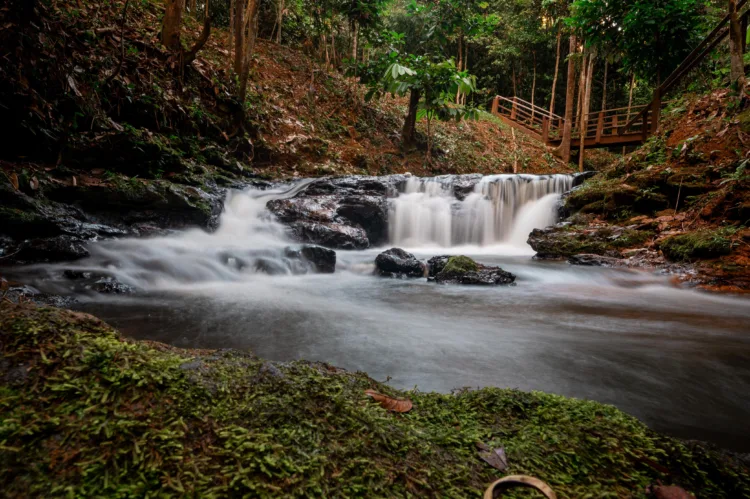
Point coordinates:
[(322, 260), (396, 262), (464, 270)]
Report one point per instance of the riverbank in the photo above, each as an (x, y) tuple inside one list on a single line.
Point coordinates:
[(90, 413)]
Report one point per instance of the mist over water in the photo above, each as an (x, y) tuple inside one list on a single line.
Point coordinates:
[(678, 359)]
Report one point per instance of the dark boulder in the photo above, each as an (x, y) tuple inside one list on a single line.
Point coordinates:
[(341, 213), (464, 270), (322, 260), (436, 264), (331, 235), (396, 263)]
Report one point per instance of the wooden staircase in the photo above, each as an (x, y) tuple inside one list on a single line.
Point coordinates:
[(605, 128), (611, 127)]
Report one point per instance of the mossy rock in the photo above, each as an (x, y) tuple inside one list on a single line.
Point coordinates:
[(699, 245), (460, 265), (605, 193), (564, 242)]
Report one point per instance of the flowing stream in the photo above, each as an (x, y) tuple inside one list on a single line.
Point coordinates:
[(677, 359)]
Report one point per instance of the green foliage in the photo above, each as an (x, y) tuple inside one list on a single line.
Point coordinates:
[(652, 36), (84, 413), (697, 245)]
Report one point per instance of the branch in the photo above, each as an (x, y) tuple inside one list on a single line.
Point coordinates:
[(190, 55)]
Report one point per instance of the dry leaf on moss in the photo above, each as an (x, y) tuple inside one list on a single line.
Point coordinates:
[(390, 404)]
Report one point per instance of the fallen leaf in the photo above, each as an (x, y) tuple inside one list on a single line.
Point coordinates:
[(390, 404), (13, 180), (495, 457), (34, 183)]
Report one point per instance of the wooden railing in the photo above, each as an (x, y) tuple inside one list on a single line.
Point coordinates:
[(603, 127)]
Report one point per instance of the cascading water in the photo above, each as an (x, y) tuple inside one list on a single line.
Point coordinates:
[(500, 209), (249, 241)]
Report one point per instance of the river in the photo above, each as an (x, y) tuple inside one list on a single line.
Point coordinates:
[(677, 359)]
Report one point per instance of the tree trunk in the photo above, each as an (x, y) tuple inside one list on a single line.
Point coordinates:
[(239, 35), (279, 20), (570, 97), (466, 68), (355, 40), (604, 90), (429, 139), (533, 92), (515, 93), (231, 34), (190, 55), (170, 31), (409, 132), (585, 110), (735, 46), (557, 71), (251, 27), (460, 63), (630, 106)]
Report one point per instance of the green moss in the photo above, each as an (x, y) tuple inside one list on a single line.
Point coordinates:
[(85, 414), (460, 265), (697, 245), (744, 119)]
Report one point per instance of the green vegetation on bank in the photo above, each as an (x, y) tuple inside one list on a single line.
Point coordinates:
[(84, 413), (709, 243)]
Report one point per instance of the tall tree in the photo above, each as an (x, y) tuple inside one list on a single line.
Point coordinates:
[(172, 25), (736, 46), (570, 98)]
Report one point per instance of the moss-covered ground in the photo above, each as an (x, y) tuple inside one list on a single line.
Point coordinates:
[(85, 413)]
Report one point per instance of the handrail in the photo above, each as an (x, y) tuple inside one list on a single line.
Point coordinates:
[(697, 55)]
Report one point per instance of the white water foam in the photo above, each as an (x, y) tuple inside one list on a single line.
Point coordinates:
[(500, 211)]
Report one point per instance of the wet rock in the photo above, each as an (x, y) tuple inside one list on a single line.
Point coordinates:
[(331, 235), (341, 213), (22, 294), (323, 259), (436, 264), (75, 275), (464, 270), (588, 260), (564, 240), (396, 262), (54, 249), (161, 202), (111, 286)]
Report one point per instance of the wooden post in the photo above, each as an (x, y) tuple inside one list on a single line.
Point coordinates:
[(615, 125), (656, 112), (495, 105), (645, 130), (600, 127), (513, 112), (545, 130)]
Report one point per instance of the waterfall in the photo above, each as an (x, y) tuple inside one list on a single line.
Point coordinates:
[(499, 209)]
